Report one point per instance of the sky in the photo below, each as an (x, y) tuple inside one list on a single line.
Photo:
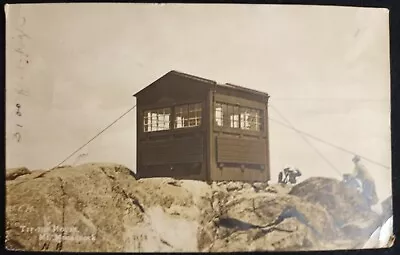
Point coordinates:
[(73, 69)]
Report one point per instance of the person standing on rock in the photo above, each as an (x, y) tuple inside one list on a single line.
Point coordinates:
[(368, 184)]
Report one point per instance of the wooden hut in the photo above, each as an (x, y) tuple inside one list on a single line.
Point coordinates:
[(194, 128)]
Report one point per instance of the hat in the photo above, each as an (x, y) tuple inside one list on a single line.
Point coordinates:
[(356, 158)]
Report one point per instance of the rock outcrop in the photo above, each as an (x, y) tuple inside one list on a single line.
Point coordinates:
[(13, 173), (349, 211), (103, 208)]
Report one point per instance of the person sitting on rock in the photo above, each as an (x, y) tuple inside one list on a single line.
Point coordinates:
[(368, 184), (289, 174), (293, 175)]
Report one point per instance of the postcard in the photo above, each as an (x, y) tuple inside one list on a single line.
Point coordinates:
[(197, 128)]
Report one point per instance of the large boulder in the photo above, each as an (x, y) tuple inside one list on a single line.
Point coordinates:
[(101, 207), (77, 209), (347, 207), (267, 221)]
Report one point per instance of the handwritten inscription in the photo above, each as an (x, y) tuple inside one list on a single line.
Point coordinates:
[(58, 233), (18, 136), (18, 110), (23, 60), (59, 237)]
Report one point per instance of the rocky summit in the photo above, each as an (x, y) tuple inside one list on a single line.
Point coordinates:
[(103, 208)]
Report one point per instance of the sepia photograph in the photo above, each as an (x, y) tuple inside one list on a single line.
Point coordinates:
[(197, 128)]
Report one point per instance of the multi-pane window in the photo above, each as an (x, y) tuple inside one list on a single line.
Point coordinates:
[(227, 115), (188, 115), (156, 120), (250, 119)]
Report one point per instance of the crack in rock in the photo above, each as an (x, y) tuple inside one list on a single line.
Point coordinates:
[(135, 201), (255, 209), (217, 201), (292, 212), (59, 246)]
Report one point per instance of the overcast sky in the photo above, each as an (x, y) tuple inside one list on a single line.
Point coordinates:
[(326, 69)]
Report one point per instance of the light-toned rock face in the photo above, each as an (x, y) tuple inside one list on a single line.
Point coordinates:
[(103, 208)]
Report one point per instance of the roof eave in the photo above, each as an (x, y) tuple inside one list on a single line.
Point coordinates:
[(244, 89)]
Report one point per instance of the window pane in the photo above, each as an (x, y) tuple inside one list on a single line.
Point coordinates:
[(219, 116)]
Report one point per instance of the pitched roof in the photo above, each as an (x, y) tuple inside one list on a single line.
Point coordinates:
[(193, 77)]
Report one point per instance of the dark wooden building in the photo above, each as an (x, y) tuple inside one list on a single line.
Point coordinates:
[(193, 128)]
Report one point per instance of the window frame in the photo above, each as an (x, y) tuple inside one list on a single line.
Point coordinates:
[(149, 124), (239, 129), (172, 108), (259, 118)]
